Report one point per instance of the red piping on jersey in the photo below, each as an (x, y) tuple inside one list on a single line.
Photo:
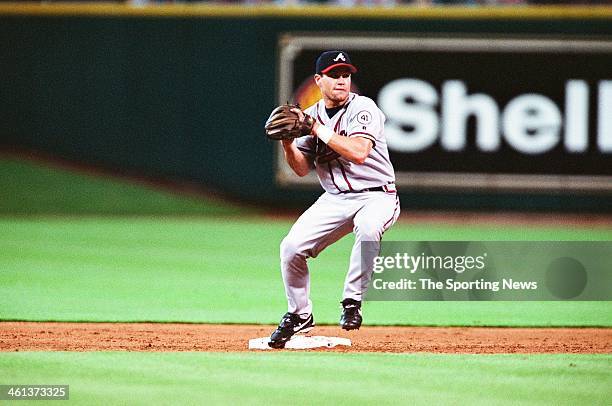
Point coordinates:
[(360, 132), (344, 174), (332, 176), (339, 118), (329, 156), (318, 116), (304, 150), (393, 216)]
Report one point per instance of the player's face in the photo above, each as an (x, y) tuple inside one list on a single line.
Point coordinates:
[(335, 86)]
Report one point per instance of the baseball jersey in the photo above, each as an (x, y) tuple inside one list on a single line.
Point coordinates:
[(359, 117)]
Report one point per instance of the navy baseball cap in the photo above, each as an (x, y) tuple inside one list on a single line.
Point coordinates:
[(329, 60)]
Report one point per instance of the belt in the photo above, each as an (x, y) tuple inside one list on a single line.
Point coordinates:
[(370, 189)]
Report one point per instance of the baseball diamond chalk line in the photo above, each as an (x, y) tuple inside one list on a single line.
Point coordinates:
[(161, 337)]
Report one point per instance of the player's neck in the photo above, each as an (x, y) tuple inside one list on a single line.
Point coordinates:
[(330, 104)]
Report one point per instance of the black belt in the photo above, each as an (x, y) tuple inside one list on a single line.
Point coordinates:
[(370, 189)]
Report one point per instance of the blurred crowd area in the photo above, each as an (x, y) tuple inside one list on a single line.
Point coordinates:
[(350, 3), (425, 2), (422, 2), (391, 3)]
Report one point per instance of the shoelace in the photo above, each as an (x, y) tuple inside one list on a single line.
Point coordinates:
[(351, 310), (287, 322)]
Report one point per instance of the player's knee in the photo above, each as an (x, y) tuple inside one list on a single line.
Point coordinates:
[(289, 248), (368, 231)]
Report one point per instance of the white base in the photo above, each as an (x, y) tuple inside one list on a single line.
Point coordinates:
[(300, 342)]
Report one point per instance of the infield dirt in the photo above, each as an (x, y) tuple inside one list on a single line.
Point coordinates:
[(44, 336)]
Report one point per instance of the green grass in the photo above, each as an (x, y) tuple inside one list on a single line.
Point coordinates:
[(316, 378), (226, 270), (34, 188), (207, 269), (204, 269)]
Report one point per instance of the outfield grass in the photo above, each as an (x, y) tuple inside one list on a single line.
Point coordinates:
[(226, 271), (35, 188), (316, 378), (204, 269)]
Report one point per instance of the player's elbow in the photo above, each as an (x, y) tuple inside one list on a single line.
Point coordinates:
[(360, 157), (360, 151), (360, 160)]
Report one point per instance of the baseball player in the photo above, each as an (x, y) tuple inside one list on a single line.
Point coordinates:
[(345, 145)]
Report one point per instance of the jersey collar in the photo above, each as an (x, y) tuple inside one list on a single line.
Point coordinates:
[(324, 112)]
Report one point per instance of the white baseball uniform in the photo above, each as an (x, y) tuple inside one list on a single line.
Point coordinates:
[(346, 206)]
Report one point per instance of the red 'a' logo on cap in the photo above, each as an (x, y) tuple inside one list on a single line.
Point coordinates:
[(340, 57)]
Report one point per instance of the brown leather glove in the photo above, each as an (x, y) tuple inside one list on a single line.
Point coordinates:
[(288, 122)]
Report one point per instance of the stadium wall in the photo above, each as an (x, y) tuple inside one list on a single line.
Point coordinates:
[(182, 92)]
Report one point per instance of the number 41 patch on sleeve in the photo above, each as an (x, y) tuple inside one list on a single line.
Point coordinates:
[(364, 117)]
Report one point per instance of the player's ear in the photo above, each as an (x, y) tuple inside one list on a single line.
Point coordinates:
[(317, 77)]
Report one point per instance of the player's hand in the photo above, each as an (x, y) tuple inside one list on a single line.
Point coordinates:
[(315, 128), (305, 120)]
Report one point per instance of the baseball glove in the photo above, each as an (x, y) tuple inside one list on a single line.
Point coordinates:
[(288, 122)]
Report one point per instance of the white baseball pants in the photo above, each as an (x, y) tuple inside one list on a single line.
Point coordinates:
[(368, 215)]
